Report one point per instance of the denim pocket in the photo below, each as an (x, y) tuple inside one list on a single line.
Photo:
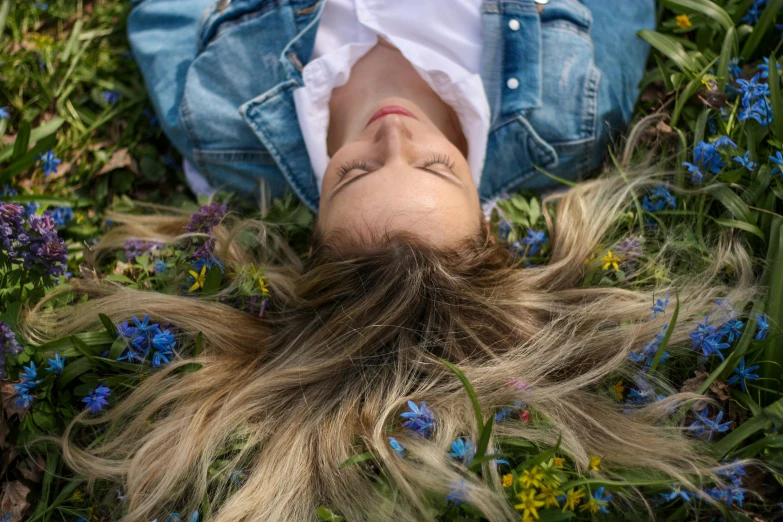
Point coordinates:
[(240, 171), (570, 15)]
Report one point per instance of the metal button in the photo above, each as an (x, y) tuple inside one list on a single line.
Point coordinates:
[(222, 4), (513, 25), (512, 83), (542, 2)]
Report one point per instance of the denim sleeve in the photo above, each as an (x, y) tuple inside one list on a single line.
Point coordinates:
[(162, 35), (621, 57)]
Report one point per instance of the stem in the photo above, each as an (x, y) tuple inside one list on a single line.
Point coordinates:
[(21, 284)]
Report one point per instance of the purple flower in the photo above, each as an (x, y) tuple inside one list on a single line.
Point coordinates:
[(137, 247), (206, 217), (420, 419), (96, 399), (41, 248), (11, 226), (49, 162)]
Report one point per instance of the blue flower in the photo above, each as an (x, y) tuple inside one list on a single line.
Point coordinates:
[(696, 175), (704, 426), (743, 374), (504, 413), (602, 498), (764, 69), (725, 141), (421, 420), (50, 162), (459, 491), (660, 306), (111, 97), (4, 114), (751, 17), (759, 111), (752, 90), (56, 365), (462, 449), (126, 331), (143, 327), (732, 328), (43, 6), (745, 161), (29, 380), (153, 119), (763, 323), (159, 266), (236, 477), (777, 159), (397, 447), (707, 155), (658, 199), (535, 240), (676, 493), (96, 400), (61, 215), (706, 338), (194, 516)]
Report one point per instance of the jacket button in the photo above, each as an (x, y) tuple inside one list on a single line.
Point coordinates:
[(513, 25), (512, 83), (222, 4), (542, 2)]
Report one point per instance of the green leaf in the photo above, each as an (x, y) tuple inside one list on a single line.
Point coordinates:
[(667, 335), (670, 48), (775, 98), (108, 324), (117, 347), (759, 30), (747, 227), (705, 7), (212, 280), (22, 141), (727, 51), (686, 94), (732, 202), (471, 393), (199, 344), (361, 457), (39, 133), (73, 370), (745, 430), (27, 160), (119, 278)]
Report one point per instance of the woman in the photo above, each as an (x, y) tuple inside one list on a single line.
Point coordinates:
[(287, 94), (402, 270)]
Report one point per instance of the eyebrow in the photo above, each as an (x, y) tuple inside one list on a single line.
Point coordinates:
[(360, 176)]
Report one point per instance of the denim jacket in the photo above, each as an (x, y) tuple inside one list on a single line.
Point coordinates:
[(221, 76)]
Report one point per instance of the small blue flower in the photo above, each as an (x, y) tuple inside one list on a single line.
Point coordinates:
[(398, 448), (535, 240), (56, 365), (743, 374), (159, 266), (153, 119), (194, 516), (96, 400), (49, 162), (764, 69), (658, 199), (676, 493), (704, 426), (660, 306), (43, 6), (420, 419), (733, 329), (460, 491), (725, 141), (763, 323), (603, 498), (696, 175), (745, 161), (237, 477), (462, 449), (707, 155), (111, 97), (504, 413), (759, 111), (4, 114), (777, 159)]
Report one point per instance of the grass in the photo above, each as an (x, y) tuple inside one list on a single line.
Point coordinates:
[(71, 87)]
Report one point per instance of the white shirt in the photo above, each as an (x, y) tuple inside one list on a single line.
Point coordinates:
[(440, 38)]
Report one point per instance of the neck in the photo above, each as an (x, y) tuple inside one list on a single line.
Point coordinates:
[(385, 73)]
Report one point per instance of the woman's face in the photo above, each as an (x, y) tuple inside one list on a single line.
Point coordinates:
[(397, 170)]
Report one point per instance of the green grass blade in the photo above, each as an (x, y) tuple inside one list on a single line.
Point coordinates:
[(732, 202), (775, 98), (22, 141), (765, 21), (705, 7), (690, 89), (37, 134), (774, 349), (727, 52), (667, 336), (742, 225), (670, 48), (471, 393), (5, 7)]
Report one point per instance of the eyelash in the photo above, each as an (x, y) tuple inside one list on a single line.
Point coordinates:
[(438, 158)]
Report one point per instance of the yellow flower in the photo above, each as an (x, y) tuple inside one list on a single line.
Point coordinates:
[(595, 462), (529, 505), (507, 480), (619, 389), (531, 478), (589, 259), (258, 276), (79, 217), (549, 495), (593, 505), (199, 277), (550, 478), (77, 496), (559, 462), (611, 260), (683, 21), (573, 498)]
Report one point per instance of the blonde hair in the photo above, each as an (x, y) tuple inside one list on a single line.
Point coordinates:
[(353, 332)]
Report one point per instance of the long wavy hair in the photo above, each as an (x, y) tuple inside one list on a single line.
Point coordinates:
[(353, 332)]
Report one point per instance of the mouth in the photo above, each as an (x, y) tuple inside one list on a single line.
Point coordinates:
[(390, 109)]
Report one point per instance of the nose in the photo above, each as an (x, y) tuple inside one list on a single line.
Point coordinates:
[(393, 136)]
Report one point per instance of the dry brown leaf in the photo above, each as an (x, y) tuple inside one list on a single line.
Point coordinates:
[(121, 267), (120, 158), (693, 384), (8, 394), (14, 500), (720, 389), (663, 128), (32, 468)]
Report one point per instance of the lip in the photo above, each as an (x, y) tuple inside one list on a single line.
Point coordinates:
[(390, 109)]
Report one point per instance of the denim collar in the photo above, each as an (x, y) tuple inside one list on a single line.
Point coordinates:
[(272, 115)]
